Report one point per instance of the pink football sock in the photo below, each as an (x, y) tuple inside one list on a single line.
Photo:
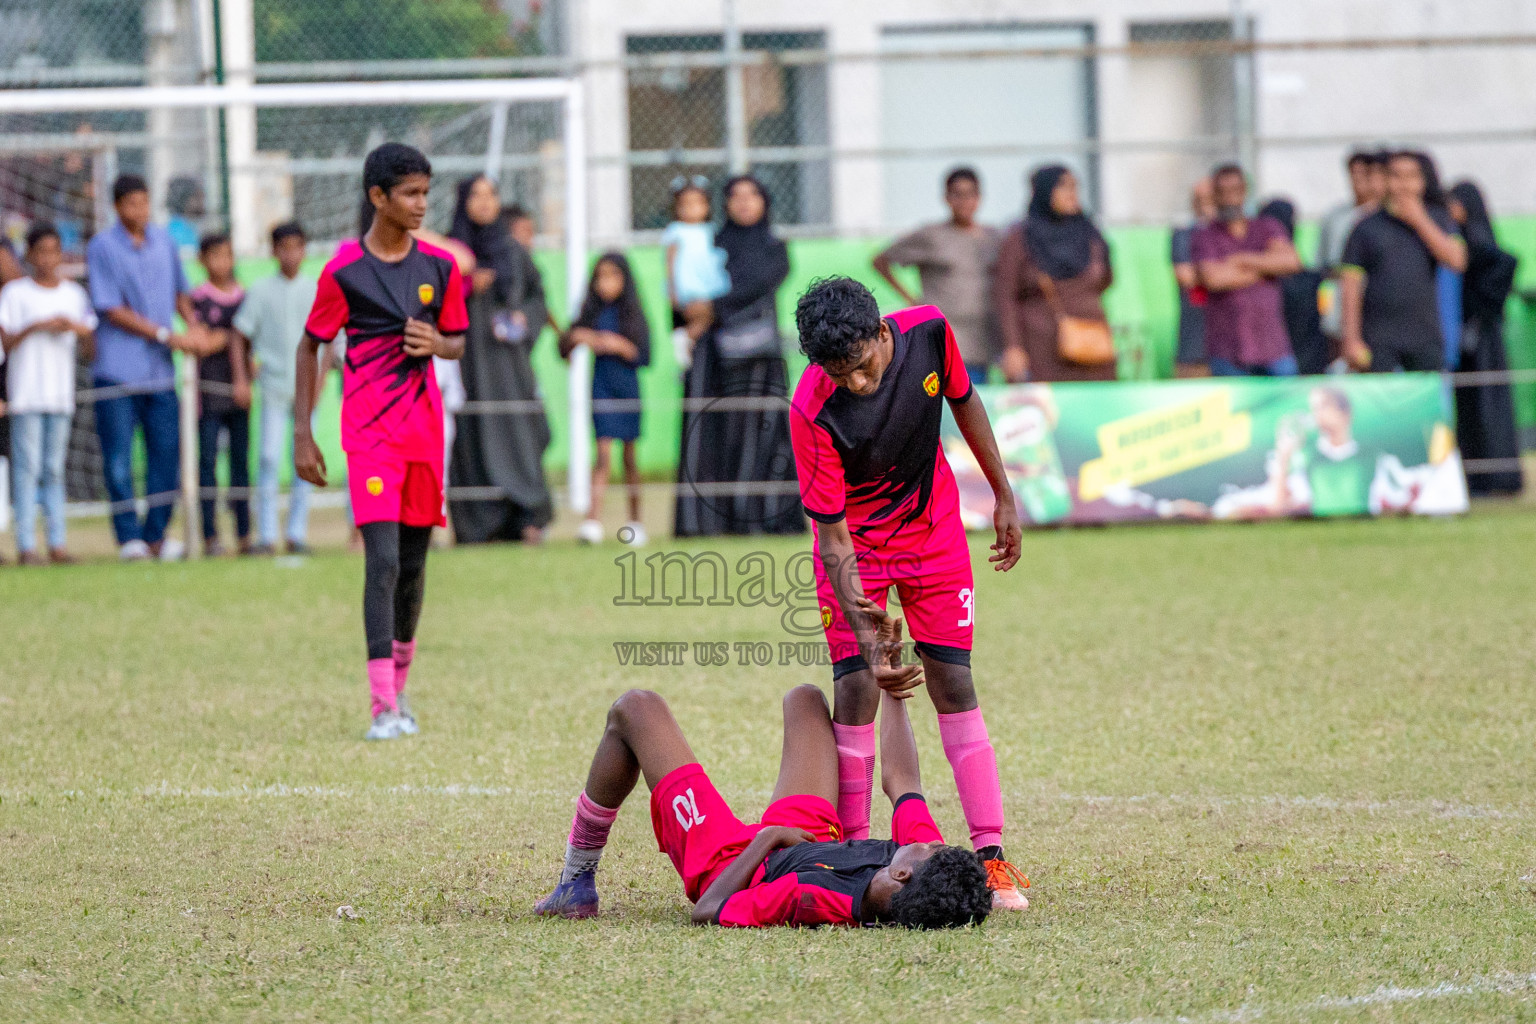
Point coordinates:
[(381, 683), (404, 652), (974, 763), (589, 828), (855, 777), (589, 834)]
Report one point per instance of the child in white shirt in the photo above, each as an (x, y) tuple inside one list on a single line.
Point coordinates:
[(42, 318), (695, 265)]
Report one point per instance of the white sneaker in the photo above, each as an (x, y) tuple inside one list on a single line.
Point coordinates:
[(172, 550), (408, 726), (590, 532), (133, 551), (634, 535), (387, 725), (682, 348)]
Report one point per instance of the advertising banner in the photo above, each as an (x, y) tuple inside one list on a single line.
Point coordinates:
[(1218, 448)]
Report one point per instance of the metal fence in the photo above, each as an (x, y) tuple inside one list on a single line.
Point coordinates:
[(851, 140)]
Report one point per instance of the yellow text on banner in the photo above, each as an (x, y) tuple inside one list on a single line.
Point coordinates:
[(1159, 443)]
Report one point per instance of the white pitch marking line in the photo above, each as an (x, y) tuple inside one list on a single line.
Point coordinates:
[(1411, 808), (1496, 984)]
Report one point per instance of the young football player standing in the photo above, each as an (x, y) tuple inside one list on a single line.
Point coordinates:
[(401, 302), (873, 477)]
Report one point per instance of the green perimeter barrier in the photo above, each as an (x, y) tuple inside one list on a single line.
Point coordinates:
[(1142, 306)]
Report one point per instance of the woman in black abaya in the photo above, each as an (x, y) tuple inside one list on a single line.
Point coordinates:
[(1485, 416), (733, 445), (500, 452)]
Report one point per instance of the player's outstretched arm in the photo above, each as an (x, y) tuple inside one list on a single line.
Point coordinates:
[(899, 772), (842, 567), (971, 417)]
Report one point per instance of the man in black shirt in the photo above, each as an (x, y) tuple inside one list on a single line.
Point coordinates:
[(1391, 316)]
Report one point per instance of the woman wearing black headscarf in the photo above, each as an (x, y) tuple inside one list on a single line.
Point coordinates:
[(1485, 416), (740, 357), (1056, 241), (1298, 294), (500, 452)]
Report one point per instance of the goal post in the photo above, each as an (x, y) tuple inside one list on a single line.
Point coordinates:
[(462, 125)]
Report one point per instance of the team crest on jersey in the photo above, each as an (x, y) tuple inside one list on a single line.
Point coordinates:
[(826, 617), (931, 384), (424, 293), (375, 486)]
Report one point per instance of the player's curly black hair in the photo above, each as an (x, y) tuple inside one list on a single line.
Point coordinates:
[(948, 890), (391, 163), (835, 316)]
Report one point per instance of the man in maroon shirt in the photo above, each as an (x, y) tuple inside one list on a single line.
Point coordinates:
[(1240, 261), (792, 867)]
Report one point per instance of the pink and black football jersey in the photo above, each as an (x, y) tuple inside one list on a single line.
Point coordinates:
[(390, 401), (876, 459), (824, 883)]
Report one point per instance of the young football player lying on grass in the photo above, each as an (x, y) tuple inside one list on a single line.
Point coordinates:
[(791, 867)]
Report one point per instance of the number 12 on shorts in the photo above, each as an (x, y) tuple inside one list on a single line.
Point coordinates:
[(968, 607), (687, 809)]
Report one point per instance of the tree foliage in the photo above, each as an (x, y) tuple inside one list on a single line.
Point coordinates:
[(318, 30)]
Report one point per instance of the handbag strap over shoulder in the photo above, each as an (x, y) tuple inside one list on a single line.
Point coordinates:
[(1052, 298)]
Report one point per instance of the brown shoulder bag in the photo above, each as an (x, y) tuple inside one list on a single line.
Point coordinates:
[(1079, 341)]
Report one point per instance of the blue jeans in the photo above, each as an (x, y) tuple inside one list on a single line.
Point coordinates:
[(276, 433), (1285, 366), (38, 444), (116, 419)]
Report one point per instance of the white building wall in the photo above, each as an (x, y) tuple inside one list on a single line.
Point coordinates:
[(1440, 98)]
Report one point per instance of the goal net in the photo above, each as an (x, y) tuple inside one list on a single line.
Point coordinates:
[(242, 158)]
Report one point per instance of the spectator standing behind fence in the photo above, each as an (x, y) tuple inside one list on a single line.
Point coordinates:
[(954, 260), (695, 266), (1054, 265), (612, 324), (1388, 286), (137, 287), (1485, 416), (736, 471), (10, 270), (1241, 261), (1367, 186), (1189, 358), (1299, 300), (271, 320), (503, 451), (224, 395), (42, 319)]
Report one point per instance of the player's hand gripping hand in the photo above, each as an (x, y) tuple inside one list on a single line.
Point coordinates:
[(781, 836), (421, 338), (1010, 537), (885, 663), (307, 460)]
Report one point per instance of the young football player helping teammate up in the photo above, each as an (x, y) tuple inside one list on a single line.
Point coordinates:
[(793, 867), (401, 302), (873, 477)]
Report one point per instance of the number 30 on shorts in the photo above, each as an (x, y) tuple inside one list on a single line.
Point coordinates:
[(687, 810), (967, 607)]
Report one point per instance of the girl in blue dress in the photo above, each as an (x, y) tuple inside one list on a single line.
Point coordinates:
[(613, 325)]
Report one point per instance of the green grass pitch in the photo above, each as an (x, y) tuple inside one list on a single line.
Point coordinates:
[(1256, 773)]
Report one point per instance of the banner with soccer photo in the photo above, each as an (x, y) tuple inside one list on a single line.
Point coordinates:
[(1218, 448)]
